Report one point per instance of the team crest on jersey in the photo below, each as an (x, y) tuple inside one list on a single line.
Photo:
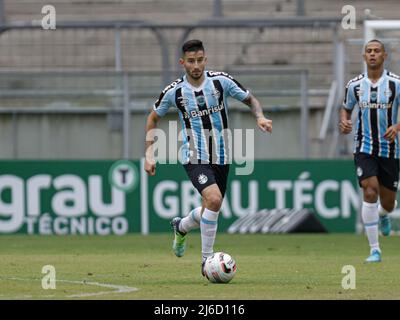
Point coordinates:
[(388, 93), (216, 94), (359, 171), (374, 96), (202, 178)]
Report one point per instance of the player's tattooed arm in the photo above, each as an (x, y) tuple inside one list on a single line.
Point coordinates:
[(254, 105), (263, 123)]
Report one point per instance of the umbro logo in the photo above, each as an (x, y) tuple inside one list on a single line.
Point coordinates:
[(183, 101)]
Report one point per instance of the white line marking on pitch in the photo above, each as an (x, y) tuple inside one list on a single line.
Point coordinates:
[(117, 288)]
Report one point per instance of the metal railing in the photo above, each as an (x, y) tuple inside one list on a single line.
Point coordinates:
[(116, 96), (234, 40)]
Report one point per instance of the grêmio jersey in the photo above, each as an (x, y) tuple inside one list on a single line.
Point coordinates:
[(378, 105), (203, 113)]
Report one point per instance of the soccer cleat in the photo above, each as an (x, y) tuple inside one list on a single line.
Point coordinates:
[(203, 264), (179, 243), (385, 225), (374, 257)]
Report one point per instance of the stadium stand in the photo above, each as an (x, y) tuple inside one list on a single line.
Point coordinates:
[(308, 48), (235, 50)]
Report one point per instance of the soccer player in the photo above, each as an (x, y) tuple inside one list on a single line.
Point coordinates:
[(201, 97), (376, 144)]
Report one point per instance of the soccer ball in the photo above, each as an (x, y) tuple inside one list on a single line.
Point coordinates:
[(220, 268)]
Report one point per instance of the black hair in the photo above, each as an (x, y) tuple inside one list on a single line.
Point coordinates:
[(376, 40), (192, 46)]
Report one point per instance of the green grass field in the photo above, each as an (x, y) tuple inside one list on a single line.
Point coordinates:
[(269, 267)]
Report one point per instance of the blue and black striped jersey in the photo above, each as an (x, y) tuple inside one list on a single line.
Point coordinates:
[(377, 110), (203, 113)]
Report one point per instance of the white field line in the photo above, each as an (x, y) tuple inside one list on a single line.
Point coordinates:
[(117, 288)]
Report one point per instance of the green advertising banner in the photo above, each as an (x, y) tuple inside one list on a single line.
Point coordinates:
[(69, 197), (328, 187), (117, 197)]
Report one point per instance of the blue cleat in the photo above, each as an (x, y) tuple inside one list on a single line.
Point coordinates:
[(374, 257), (385, 225), (179, 243)]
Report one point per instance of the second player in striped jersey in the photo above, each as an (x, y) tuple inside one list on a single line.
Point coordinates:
[(376, 93), (378, 105)]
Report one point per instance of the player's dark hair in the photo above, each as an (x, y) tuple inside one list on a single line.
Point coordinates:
[(192, 46), (376, 40)]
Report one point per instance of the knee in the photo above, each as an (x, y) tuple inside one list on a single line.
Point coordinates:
[(389, 206), (214, 202), (370, 194)]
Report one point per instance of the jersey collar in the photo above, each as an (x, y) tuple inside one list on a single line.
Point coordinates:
[(199, 88), (376, 84)]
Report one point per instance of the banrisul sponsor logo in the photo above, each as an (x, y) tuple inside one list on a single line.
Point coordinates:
[(67, 203)]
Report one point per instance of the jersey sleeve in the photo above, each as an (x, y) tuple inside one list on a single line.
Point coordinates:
[(349, 98), (235, 89), (398, 93), (162, 105)]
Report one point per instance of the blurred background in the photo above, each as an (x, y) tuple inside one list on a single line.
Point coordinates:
[(66, 92), (82, 91)]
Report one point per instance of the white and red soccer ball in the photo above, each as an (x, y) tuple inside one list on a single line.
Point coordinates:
[(220, 268)]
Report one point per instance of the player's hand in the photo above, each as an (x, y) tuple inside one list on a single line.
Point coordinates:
[(391, 133), (264, 124), (150, 167), (345, 126)]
